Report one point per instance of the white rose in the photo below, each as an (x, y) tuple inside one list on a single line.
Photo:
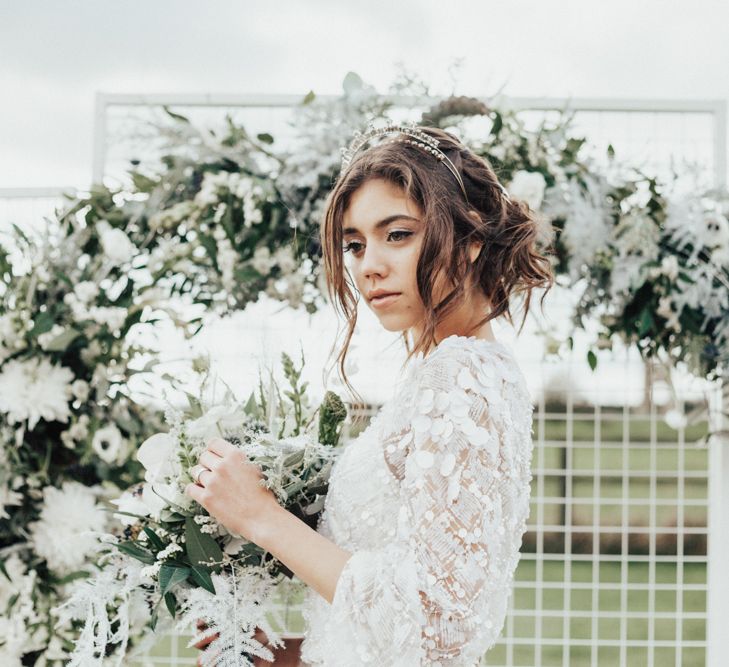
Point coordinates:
[(115, 243), (528, 186), (157, 454)]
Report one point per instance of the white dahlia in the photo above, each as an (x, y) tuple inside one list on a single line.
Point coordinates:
[(35, 389), (64, 534)]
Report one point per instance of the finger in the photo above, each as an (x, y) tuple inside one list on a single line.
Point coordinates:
[(210, 460), (196, 472), (195, 492), (221, 447)]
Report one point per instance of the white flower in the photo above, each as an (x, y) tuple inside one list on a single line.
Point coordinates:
[(215, 422), (251, 212), (86, 291), (107, 443), (587, 224), (130, 501), (46, 338), (33, 390), (80, 389), (10, 336), (64, 533), (227, 257), (8, 495), (666, 310), (115, 243), (90, 353), (284, 257), (15, 639), (261, 260), (112, 316), (715, 232), (157, 455), (669, 267), (528, 186)]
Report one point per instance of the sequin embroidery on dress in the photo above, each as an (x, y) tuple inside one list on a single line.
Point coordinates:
[(432, 500)]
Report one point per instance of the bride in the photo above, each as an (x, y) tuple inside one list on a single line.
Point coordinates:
[(413, 559)]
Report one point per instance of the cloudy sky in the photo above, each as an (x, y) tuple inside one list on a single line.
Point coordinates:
[(54, 57)]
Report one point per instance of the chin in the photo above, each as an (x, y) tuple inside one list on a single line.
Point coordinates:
[(394, 324)]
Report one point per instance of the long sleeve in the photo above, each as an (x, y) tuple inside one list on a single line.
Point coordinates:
[(437, 593)]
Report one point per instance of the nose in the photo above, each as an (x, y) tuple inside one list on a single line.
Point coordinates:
[(373, 262)]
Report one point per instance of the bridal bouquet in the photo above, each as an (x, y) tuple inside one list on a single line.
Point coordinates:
[(169, 553)]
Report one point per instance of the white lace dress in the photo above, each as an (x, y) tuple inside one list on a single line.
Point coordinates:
[(432, 501)]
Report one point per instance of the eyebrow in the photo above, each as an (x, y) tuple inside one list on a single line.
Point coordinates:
[(384, 222)]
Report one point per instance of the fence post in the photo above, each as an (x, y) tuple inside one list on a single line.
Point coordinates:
[(717, 603)]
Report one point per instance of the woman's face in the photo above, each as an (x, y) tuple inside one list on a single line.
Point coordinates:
[(382, 237)]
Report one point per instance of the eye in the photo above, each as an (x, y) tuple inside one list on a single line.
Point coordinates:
[(402, 232), (356, 247), (351, 247)]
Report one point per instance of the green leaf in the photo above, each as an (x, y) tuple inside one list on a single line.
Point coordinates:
[(646, 322), (200, 547), (591, 359), (157, 543), (309, 97), (61, 342), (265, 137), (135, 551), (352, 83), (42, 322), (171, 602), (143, 183), (174, 115), (170, 576), (201, 577), (251, 407)]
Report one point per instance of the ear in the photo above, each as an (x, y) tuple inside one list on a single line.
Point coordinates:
[(474, 247)]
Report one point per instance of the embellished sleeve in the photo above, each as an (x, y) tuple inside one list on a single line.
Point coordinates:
[(437, 593)]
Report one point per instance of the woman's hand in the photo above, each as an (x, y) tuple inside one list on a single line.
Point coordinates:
[(228, 487)]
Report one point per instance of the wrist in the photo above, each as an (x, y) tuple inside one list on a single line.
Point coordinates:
[(266, 526)]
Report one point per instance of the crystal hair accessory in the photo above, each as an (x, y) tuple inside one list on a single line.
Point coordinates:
[(416, 138)]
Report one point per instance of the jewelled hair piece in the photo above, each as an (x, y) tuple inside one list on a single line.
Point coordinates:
[(412, 135)]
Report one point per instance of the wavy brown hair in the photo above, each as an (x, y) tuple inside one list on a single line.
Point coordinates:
[(509, 262)]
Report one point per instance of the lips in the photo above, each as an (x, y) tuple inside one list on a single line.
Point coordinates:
[(384, 300)]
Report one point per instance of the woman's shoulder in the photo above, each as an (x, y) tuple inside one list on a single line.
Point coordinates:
[(479, 355)]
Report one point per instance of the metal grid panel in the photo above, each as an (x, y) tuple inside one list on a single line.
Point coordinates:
[(620, 576)]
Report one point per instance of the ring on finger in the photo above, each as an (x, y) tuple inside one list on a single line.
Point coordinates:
[(196, 473)]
